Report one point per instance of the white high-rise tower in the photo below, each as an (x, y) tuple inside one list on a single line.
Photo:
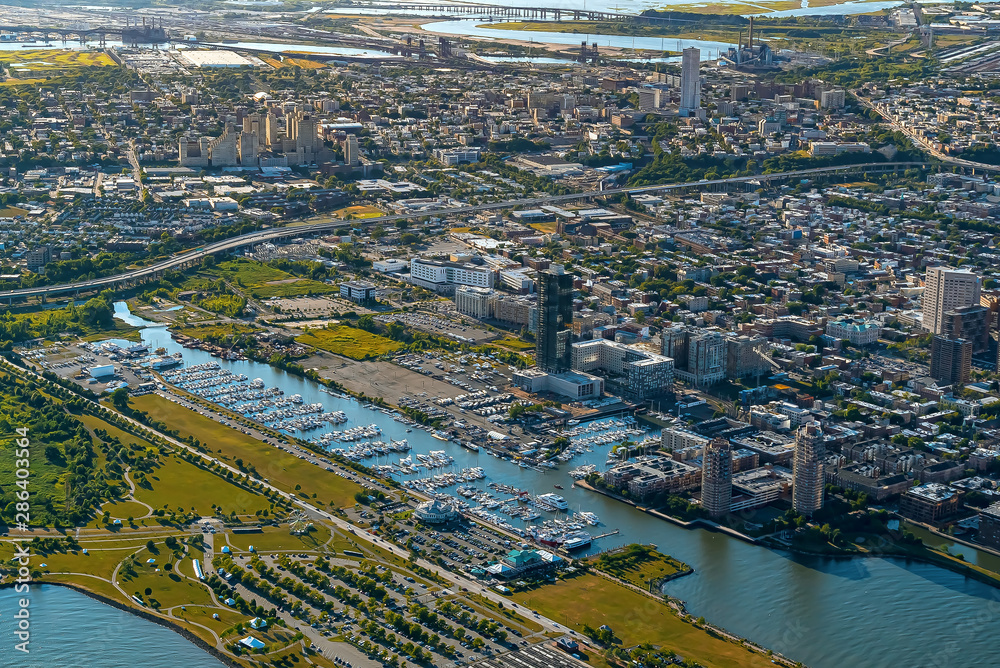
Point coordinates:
[(690, 80)]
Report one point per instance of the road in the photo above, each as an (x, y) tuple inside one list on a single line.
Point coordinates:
[(264, 236)]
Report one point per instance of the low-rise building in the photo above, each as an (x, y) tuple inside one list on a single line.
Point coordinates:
[(358, 291), (929, 503)]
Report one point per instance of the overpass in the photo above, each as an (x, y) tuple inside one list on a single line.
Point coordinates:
[(194, 257)]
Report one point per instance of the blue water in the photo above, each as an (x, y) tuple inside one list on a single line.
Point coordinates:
[(71, 630)]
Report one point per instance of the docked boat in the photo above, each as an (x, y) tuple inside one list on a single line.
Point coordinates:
[(441, 435), (576, 540)]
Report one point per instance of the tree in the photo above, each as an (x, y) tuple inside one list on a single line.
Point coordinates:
[(119, 399)]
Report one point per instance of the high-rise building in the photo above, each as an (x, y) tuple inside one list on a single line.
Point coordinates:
[(352, 155), (222, 151), (247, 148), (946, 289), (807, 474), (272, 135), (717, 477), (968, 322), (690, 79), (555, 313), (745, 356), (951, 360)]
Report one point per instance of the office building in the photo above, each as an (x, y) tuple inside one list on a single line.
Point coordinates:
[(555, 314), (807, 472), (971, 323), (574, 385), (947, 289), (690, 80), (474, 302), (636, 374), (443, 277), (951, 360), (358, 291), (717, 477)]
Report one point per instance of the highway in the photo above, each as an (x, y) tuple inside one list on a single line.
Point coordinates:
[(265, 236)]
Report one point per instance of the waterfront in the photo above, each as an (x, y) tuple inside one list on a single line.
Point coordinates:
[(74, 630), (813, 609)]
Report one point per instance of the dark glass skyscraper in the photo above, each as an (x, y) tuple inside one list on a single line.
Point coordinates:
[(555, 313)]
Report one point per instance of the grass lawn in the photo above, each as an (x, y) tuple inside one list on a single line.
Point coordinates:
[(169, 588), (295, 288), (358, 212), (262, 281), (635, 619), (102, 558), (200, 614), (349, 342), (12, 211), (547, 228), (517, 345), (282, 469), (276, 539), (122, 510), (180, 483), (639, 567)]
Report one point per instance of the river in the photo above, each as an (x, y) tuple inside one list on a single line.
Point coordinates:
[(71, 630), (821, 611)]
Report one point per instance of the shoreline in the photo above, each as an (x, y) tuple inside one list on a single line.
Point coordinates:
[(165, 622), (962, 568)]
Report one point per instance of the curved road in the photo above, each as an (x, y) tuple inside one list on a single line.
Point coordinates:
[(254, 238)]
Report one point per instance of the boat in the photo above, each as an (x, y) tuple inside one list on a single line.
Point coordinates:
[(468, 445), (408, 431), (576, 540), (553, 500), (572, 423), (558, 486), (440, 435)]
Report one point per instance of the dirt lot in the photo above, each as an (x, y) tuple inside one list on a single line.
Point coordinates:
[(380, 379)]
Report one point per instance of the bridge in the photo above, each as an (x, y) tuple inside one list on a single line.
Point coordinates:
[(129, 33), (193, 258), (507, 11)]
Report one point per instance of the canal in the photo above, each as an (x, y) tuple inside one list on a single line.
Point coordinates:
[(822, 611)]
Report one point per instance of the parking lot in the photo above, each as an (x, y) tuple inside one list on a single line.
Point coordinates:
[(455, 327)]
